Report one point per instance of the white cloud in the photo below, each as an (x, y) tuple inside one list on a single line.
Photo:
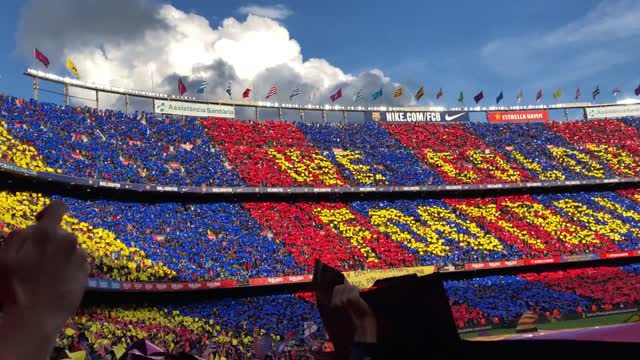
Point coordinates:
[(277, 12), (600, 39), (257, 53)]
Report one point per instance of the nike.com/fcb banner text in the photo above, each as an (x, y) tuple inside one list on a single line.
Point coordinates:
[(617, 111), (193, 109), (418, 116), (500, 117)]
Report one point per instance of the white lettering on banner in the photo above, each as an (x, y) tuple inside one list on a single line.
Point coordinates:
[(412, 116), (213, 284), (617, 111), (110, 184), (161, 286), (275, 280), (167, 188), (193, 109), (176, 286)]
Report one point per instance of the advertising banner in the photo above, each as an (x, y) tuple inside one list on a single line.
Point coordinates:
[(617, 111), (500, 117), (193, 109), (417, 116), (366, 278)]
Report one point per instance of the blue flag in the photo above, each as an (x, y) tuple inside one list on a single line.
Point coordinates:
[(376, 95), (202, 87), (499, 98)]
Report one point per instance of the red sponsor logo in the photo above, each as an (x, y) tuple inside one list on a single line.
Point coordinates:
[(195, 285), (176, 286), (615, 255), (475, 266), (213, 284), (276, 280), (161, 286), (494, 264), (518, 116), (148, 286), (542, 261), (514, 263), (296, 278), (126, 285), (137, 286)]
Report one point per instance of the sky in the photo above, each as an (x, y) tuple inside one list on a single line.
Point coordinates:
[(461, 45)]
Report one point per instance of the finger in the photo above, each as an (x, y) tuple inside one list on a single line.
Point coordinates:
[(14, 242), (66, 242), (51, 216)]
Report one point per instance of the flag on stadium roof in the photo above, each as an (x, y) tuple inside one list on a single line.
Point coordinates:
[(519, 96), (376, 95), (246, 93), (578, 94), (229, 89), (337, 95), (272, 91), (439, 94), (202, 88), (294, 93), (499, 98), (557, 94), (595, 92), (539, 96), (72, 68), (40, 57), (616, 91), (420, 94), (637, 90), (461, 98), (182, 88), (398, 92), (479, 96), (357, 96), (313, 94)]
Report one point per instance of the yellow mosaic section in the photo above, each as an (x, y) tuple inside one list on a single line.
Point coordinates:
[(14, 152), (18, 210), (439, 159), (361, 172), (384, 219), (599, 222), (491, 213), (338, 219), (620, 161), (151, 324), (501, 171), (306, 170), (442, 220), (533, 166), (578, 162), (537, 214)]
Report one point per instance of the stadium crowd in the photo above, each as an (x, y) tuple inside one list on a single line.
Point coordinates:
[(234, 328), (143, 148), (217, 241), (186, 242)]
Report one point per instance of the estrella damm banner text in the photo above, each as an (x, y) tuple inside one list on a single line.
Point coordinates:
[(366, 278), (417, 116), (500, 117)]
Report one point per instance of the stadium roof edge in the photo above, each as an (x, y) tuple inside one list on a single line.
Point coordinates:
[(40, 75)]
